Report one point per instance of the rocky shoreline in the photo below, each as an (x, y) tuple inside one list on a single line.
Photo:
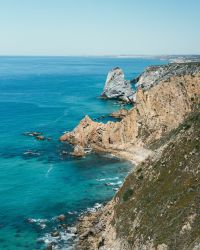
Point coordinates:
[(166, 97), (157, 111), (157, 208)]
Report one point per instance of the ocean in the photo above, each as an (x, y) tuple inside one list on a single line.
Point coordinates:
[(37, 181)]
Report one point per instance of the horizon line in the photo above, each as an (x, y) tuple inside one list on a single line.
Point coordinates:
[(97, 55)]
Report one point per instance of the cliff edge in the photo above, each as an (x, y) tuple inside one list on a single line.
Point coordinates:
[(156, 112), (158, 205)]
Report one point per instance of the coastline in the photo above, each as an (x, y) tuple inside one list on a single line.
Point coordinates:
[(103, 229), (97, 230)]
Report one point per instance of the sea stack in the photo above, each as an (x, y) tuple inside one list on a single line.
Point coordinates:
[(116, 87)]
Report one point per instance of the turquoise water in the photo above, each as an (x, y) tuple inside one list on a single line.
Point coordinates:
[(51, 95)]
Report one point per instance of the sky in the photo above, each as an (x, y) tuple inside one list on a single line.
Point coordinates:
[(99, 27)]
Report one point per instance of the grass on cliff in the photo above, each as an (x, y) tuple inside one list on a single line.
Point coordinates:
[(161, 200)]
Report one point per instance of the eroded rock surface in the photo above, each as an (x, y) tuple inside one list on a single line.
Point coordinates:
[(119, 113), (156, 112), (78, 151), (154, 74), (116, 87), (157, 208)]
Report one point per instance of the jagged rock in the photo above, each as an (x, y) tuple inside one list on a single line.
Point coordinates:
[(150, 118), (78, 151), (154, 74), (37, 135), (155, 206), (116, 87), (32, 133), (49, 247), (40, 138), (55, 234), (61, 217), (119, 114), (64, 152), (152, 199)]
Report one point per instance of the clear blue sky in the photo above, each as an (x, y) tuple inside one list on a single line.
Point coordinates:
[(99, 27)]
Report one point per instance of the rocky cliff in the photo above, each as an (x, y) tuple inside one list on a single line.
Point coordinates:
[(157, 208), (154, 74), (156, 112)]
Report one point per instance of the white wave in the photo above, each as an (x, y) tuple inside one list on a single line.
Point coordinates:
[(114, 183), (110, 156), (108, 179), (39, 222), (94, 208), (71, 213), (65, 113), (49, 170), (61, 241)]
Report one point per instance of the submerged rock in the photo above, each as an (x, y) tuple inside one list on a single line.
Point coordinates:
[(61, 217), (64, 152), (37, 135), (116, 87), (32, 133), (49, 247), (40, 138), (55, 234)]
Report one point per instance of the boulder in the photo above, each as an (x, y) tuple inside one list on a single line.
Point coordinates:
[(49, 247), (32, 133), (55, 234), (61, 217), (78, 151), (40, 138), (119, 113)]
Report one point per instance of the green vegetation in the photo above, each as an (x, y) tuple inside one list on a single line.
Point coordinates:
[(127, 194), (160, 201)]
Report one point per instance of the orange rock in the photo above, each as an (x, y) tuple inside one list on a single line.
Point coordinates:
[(157, 111)]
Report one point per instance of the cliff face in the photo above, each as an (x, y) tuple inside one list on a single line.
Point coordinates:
[(154, 74), (156, 112), (158, 206)]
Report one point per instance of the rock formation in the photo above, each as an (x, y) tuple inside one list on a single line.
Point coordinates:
[(78, 151), (157, 208), (116, 87), (119, 113), (156, 112), (154, 74)]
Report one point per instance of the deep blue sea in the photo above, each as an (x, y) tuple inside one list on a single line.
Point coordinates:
[(51, 95)]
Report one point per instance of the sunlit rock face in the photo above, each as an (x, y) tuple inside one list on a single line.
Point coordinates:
[(156, 112), (154, 74), (116, 87)]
